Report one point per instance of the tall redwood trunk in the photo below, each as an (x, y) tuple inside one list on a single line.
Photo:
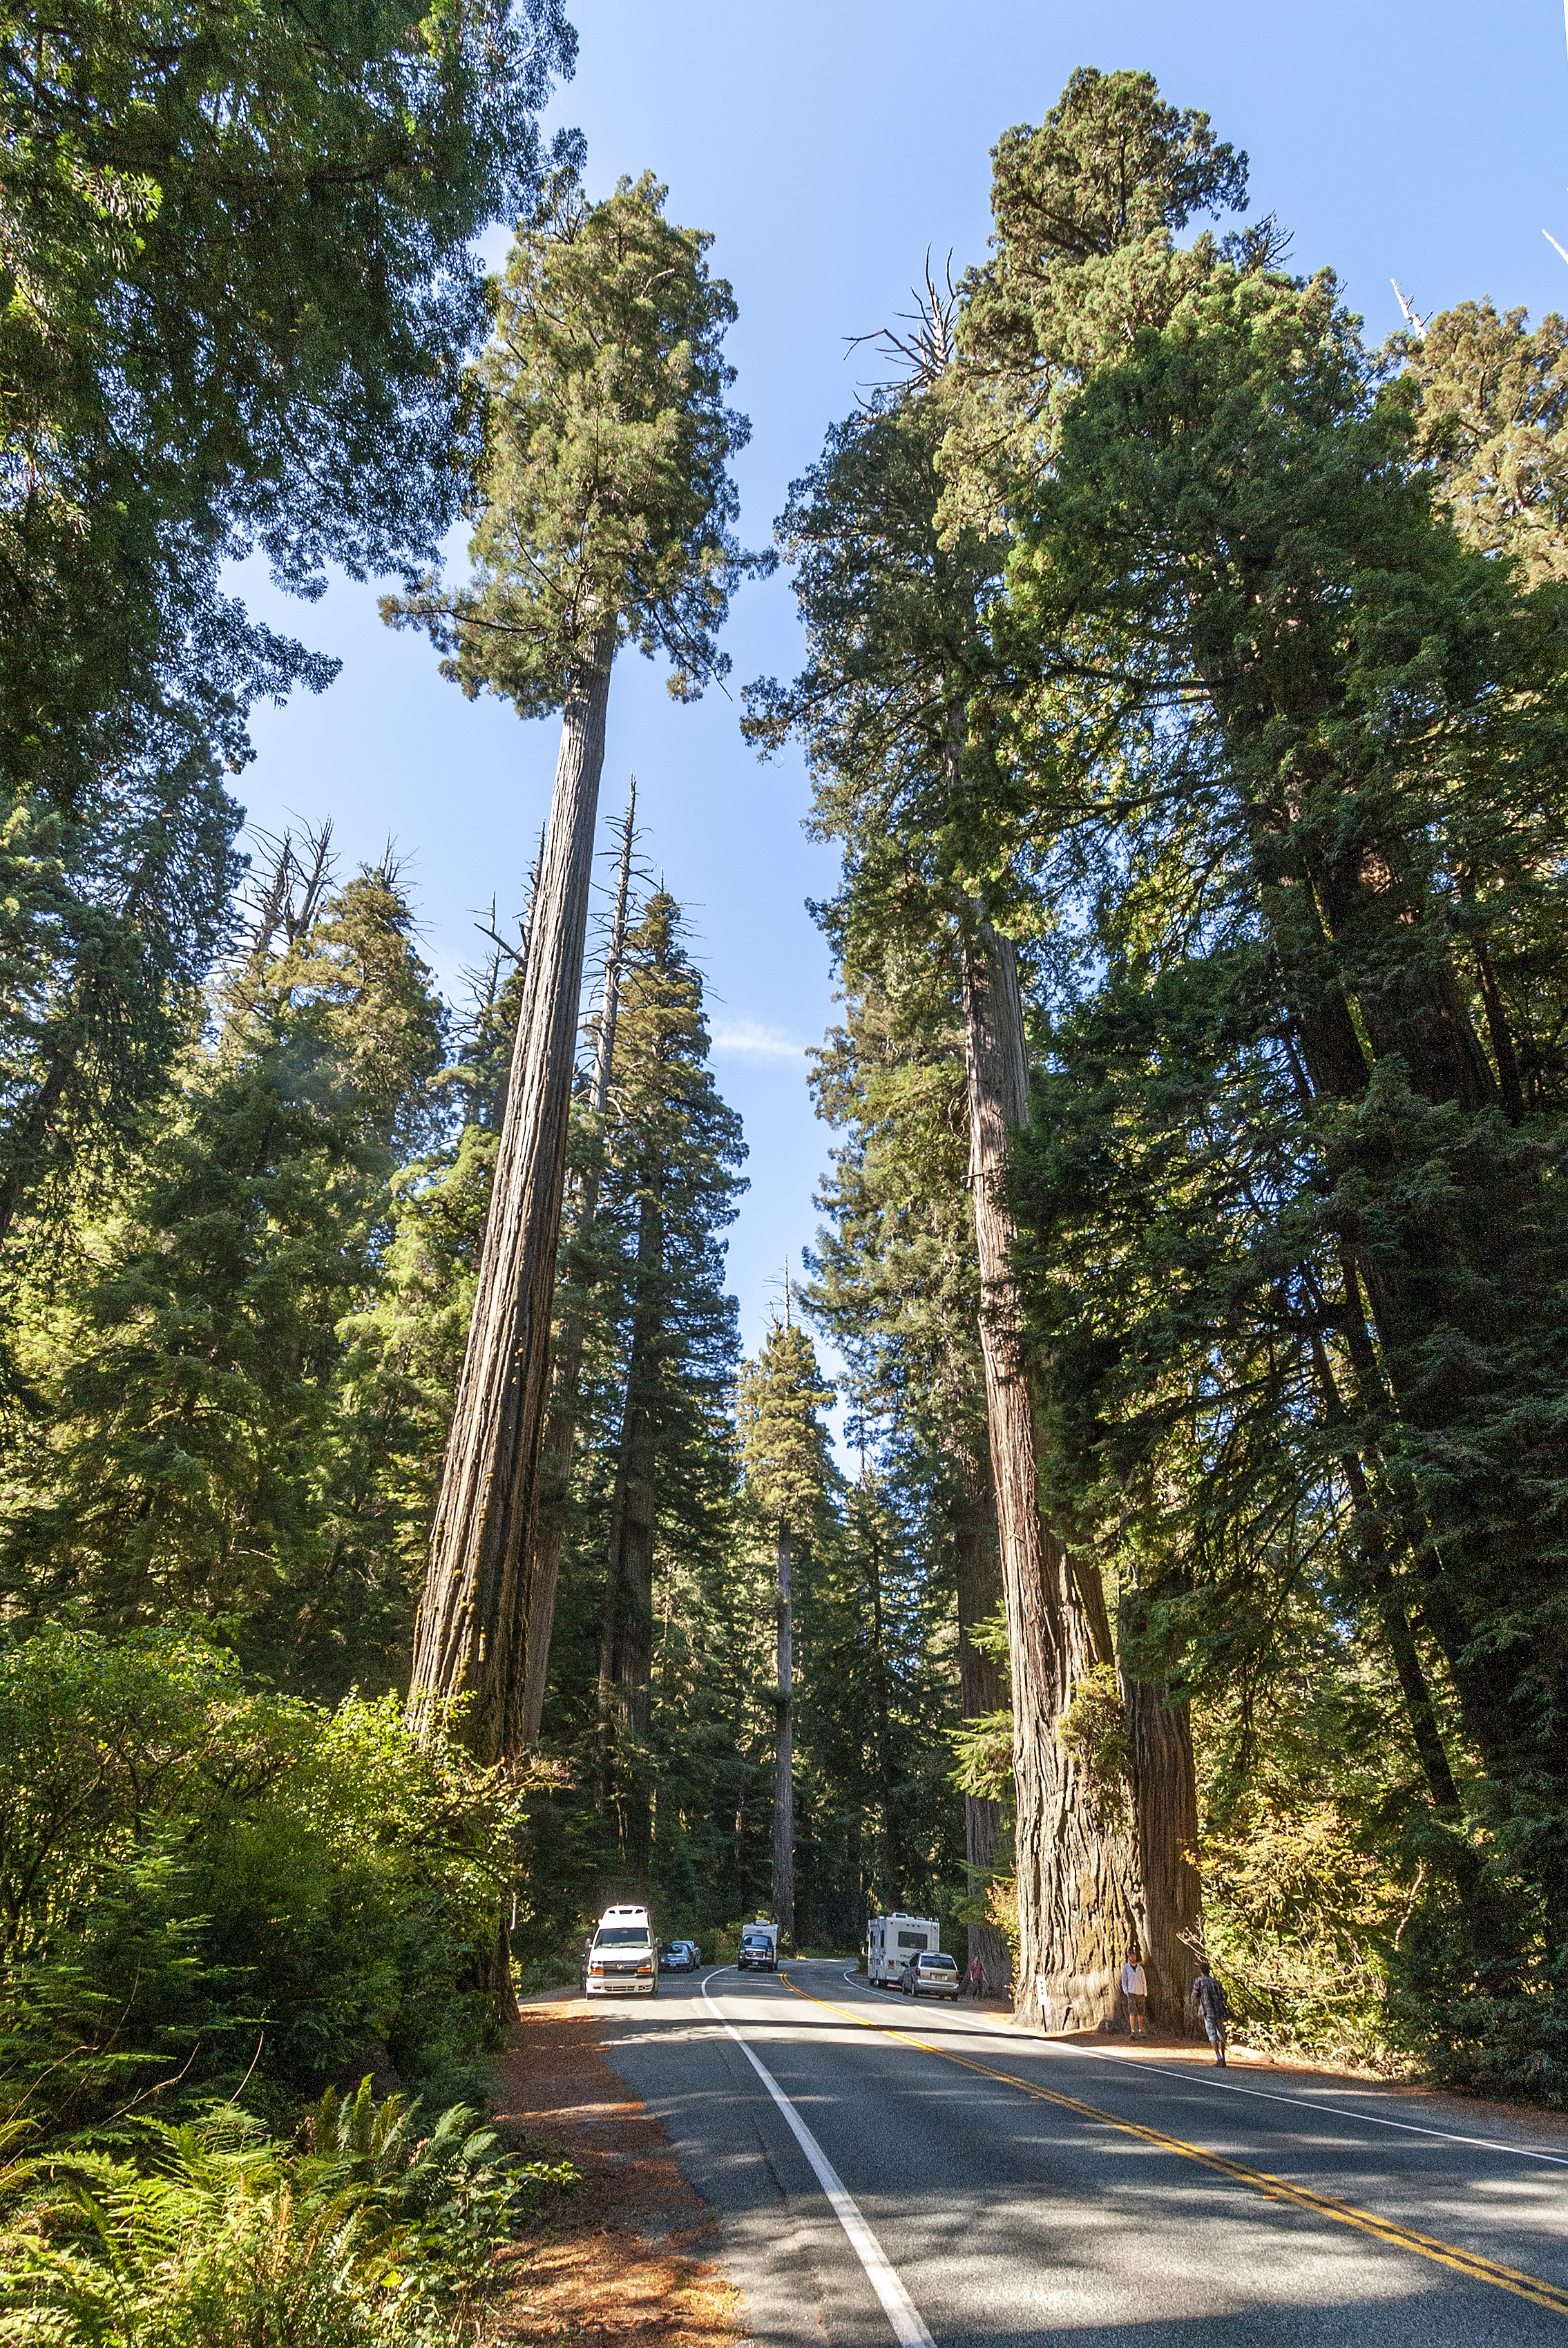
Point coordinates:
[(784, 1754), (1165, 1802), (471, 1636), (1077, 1872), (972, 1523), (561, 1426)]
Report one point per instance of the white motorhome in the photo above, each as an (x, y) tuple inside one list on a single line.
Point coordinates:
[(891, 1941), (625, 1955)]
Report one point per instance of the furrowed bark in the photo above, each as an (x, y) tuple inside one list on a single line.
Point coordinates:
[(561, 1428), (471, 1638), (1076, 1868), (972, 1521), (1165, 1804), (784, 1753)]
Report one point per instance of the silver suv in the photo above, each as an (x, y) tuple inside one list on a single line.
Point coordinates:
[(931, 1974)]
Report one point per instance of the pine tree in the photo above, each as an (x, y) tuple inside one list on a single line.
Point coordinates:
[(602, 516), (669, 1192), (1374, 766), (789, 1474), (899, 658), (206, 1449)]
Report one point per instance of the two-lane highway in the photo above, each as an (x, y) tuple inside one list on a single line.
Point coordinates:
[(887, 2172)]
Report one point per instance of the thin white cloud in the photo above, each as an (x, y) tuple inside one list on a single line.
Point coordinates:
[(760, 1043)]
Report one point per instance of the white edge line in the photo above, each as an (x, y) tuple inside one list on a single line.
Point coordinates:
[(897, 2305), (1260, 2095)]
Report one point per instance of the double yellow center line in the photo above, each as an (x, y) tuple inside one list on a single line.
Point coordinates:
[(1274, 2188)]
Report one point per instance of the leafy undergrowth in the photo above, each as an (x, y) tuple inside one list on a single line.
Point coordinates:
[(618, 2264), (369, 2231)]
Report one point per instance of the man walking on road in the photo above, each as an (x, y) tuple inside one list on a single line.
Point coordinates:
[(976, 1983), (1135, 1990), (1209, 1999)]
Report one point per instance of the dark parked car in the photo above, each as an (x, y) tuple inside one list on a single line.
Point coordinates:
[(932, 1974)]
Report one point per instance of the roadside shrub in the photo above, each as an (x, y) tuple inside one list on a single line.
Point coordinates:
[(207, 1887), (1486, 2011), (1299, 1922), (536, 1973)]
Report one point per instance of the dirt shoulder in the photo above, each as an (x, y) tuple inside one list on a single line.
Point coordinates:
[(619, 2264)]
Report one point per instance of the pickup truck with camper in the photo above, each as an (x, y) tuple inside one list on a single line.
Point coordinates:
[(623, 1956), (893, 1941), (759, 1948)]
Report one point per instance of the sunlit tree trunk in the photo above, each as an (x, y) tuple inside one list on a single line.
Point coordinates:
[(1165, 1804), (1076, 1865), (560, 1427), (471, 1637)]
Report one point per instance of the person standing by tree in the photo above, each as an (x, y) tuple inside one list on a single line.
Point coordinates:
[(1211, 2003), (1135, 1990), (603, 511)]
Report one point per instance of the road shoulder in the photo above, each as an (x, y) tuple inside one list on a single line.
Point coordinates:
[(627, 2261)]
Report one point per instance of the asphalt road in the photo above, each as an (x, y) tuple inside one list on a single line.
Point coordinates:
[(1081, 2193)]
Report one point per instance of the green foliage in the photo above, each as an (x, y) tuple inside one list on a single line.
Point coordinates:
[(1300, 1923), (783, 1443), (212, 2232), (1094, 1730), (605, 501), (1492, 429), (239, 291), (211, 1886), (223, 1418)]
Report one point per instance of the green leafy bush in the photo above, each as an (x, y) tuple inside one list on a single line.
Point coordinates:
[(204, 1883)]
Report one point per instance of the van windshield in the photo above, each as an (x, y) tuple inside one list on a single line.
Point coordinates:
[(622, 1936)]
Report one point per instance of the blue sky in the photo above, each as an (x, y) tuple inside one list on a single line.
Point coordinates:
[(827, 147)]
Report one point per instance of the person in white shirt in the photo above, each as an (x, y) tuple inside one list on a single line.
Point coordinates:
[(1135, 1990)]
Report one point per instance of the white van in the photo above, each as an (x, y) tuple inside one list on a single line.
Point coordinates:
[(623, 1956), (891, 1941)]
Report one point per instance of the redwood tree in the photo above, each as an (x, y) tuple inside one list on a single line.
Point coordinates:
[(602, 510), (783, 1447)]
